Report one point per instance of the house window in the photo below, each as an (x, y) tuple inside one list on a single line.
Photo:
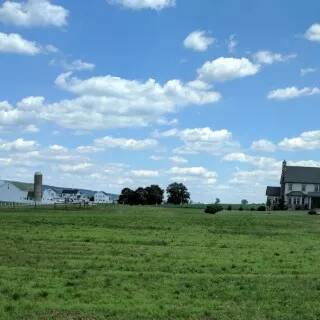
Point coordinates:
[(303, 187), (316, 188), (290, 186)]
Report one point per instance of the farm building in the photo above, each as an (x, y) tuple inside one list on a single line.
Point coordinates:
[(30, 193), (299, 188), (102, 197)]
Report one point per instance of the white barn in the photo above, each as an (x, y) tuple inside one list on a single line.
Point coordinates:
[(15, 192)]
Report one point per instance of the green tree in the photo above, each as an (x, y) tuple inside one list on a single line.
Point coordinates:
[(178, 193), (141, 196), (244, 202), (127, 197), (154, 194)]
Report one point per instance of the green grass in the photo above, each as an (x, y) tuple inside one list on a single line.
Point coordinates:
[(158, 263)]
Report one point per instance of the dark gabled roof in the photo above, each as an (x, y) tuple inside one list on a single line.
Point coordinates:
[(302, 175), (70, 191), (273, 191)]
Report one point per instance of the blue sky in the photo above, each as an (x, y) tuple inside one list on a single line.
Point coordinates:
[(106, 94)]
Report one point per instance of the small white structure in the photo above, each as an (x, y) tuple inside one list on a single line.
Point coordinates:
[(71, 195), (50, 196), (102, 197)]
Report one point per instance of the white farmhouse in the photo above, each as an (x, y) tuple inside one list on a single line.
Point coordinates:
[(299, 188), (102, 197)]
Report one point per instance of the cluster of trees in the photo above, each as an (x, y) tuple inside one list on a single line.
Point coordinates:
[(154, 195)]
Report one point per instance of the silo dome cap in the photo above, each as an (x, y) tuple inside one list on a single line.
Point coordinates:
[(38, 173)]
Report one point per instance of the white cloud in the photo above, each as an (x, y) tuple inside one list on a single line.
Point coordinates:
[(268, 57), (145, 173), (178, 160), (313, 33), (292, 93), (19, 145), (11, 117), (76, 168), (309, 140), (263, 145), (144, 4), (125, 144), (190, 173), (305, 71), (198, 140), (113, 102), (33, 13), (198, 41), (223, 69), (14, 43)]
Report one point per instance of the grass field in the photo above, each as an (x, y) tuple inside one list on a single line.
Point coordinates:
[(158, 263)]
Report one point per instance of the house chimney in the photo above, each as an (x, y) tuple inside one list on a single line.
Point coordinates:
[(284, 166)]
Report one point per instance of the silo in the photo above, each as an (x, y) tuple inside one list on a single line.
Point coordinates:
[(38, 186)]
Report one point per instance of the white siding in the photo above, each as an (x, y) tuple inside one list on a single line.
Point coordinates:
[(10, 193), (101, 197)]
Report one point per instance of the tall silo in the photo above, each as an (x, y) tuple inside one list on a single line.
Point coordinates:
[(38, 186)]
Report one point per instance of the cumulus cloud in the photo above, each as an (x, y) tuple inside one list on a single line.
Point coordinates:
[(268, 57), (198, 41), (309, 140), (19, 145), (145, 173), (178, 160), (125, 144), (198, 140), (33, 13), (224, 69), (313, 33), (113, 102), (14, 43), (144, 4), (292, 93), (263, 145), (191, 173), (76, 168)]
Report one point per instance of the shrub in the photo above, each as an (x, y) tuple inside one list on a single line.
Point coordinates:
[(312, 212), (229, 207), (252, 209), (213, 208), (261, 208), (241, 209)]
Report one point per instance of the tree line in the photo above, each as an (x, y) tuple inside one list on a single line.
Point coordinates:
[(153, 195)]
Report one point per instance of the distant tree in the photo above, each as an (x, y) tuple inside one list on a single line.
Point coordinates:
[(244, 202), (141, 196), (229, 207), (154, 195), (217, 201), (178, 193), (127, 197)]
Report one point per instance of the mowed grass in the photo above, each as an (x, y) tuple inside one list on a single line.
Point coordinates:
[(158, 263)]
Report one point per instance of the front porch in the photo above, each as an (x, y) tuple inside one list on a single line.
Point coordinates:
[(314, 200), (298, 200)]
